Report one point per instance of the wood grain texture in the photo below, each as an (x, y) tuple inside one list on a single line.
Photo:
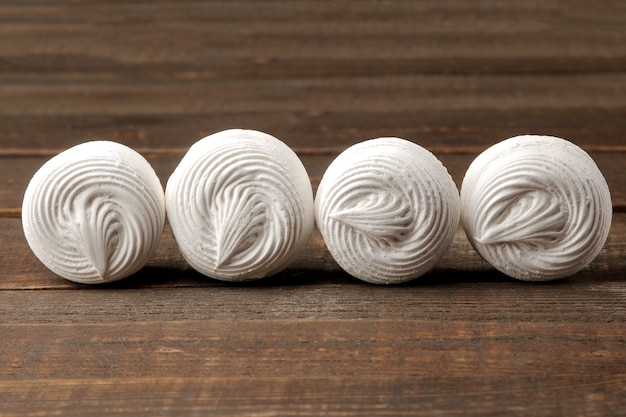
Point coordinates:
[(453, 76), (300, 367), (437, 111), (308, 38), (322, 344), (443, 73)]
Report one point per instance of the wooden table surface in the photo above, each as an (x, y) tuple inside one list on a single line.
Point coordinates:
[(453, 76)]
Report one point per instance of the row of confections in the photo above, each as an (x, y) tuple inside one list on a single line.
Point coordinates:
[(240, 205)]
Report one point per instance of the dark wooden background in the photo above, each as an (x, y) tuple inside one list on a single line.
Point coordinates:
[(454, 76)]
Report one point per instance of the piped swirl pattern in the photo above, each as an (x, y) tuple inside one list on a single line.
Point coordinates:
[(536, 207), (94, 213), (387, 210), (240, 205)]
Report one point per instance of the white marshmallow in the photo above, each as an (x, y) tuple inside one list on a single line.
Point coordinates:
[(240, 205), (94, 213), (537, 208), (387, 210)]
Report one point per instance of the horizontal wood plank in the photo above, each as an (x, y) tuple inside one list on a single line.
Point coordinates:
[(206, 352), (333, 395), (437, 111), (445, 130), (190, 39)]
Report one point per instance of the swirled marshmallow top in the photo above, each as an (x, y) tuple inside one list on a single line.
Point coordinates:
[(94, 213), (536, 207)]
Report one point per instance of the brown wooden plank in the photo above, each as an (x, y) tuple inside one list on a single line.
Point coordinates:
[(274, 347), (284, 38), (21, 270), (445, 129), (349, 367), (334, 396), (87, 95), (438, 111), (301, 348), (15, 172)]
